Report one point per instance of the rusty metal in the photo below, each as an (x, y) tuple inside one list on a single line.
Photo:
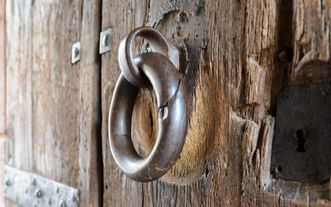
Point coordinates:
[(301, 149), (158, 69)]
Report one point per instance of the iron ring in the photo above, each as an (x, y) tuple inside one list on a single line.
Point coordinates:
[(171, 98)]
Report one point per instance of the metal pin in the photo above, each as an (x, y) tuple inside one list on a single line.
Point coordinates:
[(75, 52), (8, 182), (129, 7), (34, 181), (105, 41), (38, 193)]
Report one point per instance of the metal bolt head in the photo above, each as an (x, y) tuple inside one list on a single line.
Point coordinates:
[(38, 193), (182, 17), (8, 182), (105, 44), (105, 39), (75, 52)]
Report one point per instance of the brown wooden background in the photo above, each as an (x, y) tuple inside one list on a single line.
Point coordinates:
[(57, 112), (2, 93)]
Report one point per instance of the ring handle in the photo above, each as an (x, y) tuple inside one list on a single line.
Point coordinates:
[(159, 45), (172, 119)]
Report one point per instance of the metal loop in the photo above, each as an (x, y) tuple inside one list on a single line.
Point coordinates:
[(159, 45), (172, 118)]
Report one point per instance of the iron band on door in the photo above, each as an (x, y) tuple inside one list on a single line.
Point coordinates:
[(159, 69)]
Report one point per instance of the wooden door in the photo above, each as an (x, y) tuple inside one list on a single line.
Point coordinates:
[(53, 119), (240, 56)]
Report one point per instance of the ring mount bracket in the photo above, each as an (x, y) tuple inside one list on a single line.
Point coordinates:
[(159, 45)]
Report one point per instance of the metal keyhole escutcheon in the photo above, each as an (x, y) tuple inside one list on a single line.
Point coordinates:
[(160, 70)]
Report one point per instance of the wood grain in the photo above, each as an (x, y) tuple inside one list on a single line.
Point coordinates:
[(118, 190), (2, 67), (234, 86), (2, 94), (90, 154), (185, 28), (241, 54), (3, 140), (310, 41), (53, 106), (311, 60)]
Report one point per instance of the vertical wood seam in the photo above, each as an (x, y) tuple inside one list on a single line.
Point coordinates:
[(94, 142), (99, 142)]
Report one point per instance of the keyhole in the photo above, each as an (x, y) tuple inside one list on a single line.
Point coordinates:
[(299, 134)]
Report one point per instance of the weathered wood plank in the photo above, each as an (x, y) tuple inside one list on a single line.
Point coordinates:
[(53, 106), (234, 72), (206, 91), (90, 152), (55, 85), (2, 164), (2, 67), (2, 94), (18, 98), (120, 16), (312, 44), (310, 40), (246, 62), (19, 94)]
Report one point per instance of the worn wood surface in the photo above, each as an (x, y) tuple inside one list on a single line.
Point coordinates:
[(240, 56), (52, 105), (253, 49), (90, 154), (310, 33), (2, 94), (2, 66), (311, 42), (2, 163)]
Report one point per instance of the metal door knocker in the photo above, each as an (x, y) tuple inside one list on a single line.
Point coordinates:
[(159, 69)]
